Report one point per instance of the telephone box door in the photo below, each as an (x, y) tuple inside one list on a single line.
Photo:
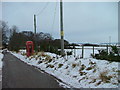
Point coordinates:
[(29, 48)]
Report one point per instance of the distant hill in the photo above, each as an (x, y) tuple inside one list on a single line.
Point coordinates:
[(98, 43)]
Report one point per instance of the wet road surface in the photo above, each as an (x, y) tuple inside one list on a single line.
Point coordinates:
[(17, 74)]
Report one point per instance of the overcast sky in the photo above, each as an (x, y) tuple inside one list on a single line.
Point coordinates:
[(91, 22)]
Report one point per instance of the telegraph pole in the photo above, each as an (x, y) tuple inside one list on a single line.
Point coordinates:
[(35, 44), (34, 24), (61, 28)]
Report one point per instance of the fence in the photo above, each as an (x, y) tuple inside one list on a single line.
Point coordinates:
[(86, 51)]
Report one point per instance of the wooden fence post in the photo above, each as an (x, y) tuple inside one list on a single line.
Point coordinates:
[(107, 49), (82, 51), (74, 51)]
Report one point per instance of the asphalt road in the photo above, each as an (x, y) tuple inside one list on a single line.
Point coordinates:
[(0, 79), (17, 74)]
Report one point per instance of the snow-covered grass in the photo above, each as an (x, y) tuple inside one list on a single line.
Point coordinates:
[(78, 73), (1, 56)]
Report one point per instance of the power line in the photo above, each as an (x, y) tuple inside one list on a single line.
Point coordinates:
[(54, 16), (43, 9)]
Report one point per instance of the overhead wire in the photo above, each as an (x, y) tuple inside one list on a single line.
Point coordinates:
[(41, 11), (52, 28)]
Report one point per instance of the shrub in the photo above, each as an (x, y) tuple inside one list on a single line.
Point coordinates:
[(115, 49), (60, 65), (113, 55)]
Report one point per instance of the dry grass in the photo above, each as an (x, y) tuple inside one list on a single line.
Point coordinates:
[(47, 57), (93, 81), (40, 54), (98, 83), (74, 65), (89, 68), (103, 76), (82, 73), (82, 67), (51, 66), (24, 54)]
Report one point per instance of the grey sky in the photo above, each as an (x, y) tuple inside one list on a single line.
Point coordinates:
[(83, 21)]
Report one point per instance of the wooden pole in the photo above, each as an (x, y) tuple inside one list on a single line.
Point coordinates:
[(61, 28), (74, 51), (107, 49), (35, 24), (35, 43)]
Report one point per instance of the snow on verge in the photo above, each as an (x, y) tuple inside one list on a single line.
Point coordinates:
[(79, 73), (1, 56)]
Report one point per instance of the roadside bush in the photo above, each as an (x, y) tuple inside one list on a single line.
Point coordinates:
[(113, 55)]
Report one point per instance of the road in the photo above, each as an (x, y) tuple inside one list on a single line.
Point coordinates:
[(0, 78), (17, 74)]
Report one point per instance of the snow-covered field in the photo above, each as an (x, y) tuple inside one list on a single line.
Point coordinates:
[(76, 72)]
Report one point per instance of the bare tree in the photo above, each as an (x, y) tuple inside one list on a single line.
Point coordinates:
[(4, 29)]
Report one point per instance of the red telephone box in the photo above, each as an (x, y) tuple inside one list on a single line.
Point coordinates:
[(29, 48)]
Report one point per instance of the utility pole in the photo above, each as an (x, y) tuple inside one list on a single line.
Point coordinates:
[(34, 24), (82, 51), (35, 44), (61, 28)]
